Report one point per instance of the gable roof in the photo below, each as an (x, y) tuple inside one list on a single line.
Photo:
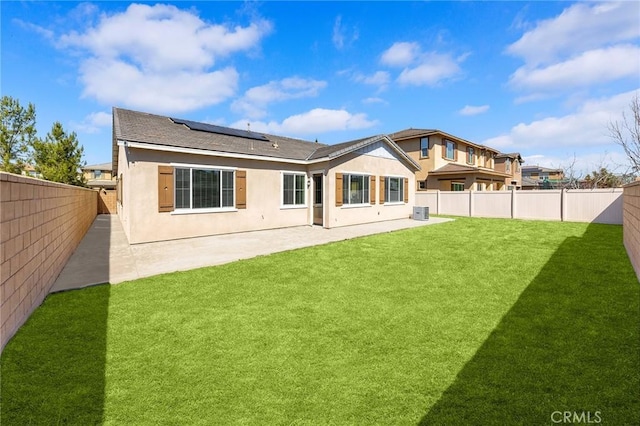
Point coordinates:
[(413, 133), (102, 166), (144, 130), (512, 155)]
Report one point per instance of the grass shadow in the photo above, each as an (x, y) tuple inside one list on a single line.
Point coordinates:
[(570, 343), (53, 370)]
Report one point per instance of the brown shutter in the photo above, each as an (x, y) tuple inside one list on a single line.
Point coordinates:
[(406, 190), (444, 148), (338, 189), (381, 190), (165, 188), (372, 190), (241, 189), (455, 152)]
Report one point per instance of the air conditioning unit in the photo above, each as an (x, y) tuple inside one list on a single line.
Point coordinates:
[(420, 213)]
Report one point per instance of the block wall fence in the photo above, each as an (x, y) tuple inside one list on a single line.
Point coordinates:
[(107, 201), (41, 224), (631, 224)]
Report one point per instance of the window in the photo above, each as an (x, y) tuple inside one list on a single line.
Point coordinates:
[(424, 147), (355, 189), (507, 164), (480, 186), (450, 150), (203, 188), (293, 192), (422, 184), (517, 166), (471, 156), (456, 186), (97, 174), (394, 188)]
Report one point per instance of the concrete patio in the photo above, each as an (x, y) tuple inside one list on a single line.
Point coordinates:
[(105, 256)]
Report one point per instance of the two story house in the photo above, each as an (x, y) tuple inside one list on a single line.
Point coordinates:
[(99, 176), (536, 177), (450, 163), (511, 165)]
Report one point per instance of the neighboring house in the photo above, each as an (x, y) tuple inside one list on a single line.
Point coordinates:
[(180, 179), (511, 165), (30, 171), (449, 163), (99, 176), (536, 177)]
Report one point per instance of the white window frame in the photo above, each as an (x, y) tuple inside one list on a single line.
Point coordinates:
[(304, 188), (191, 168), (366, 189), (387, 190)]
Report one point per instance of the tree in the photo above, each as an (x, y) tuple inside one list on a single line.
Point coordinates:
[(626, 133), (59, 157), (18, 131), (602, 178)]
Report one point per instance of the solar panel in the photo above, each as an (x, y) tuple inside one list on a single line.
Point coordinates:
[(211, 128)]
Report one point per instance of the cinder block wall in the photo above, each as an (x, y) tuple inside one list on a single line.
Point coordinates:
[(107, 201), (631, 223), (41, 224)]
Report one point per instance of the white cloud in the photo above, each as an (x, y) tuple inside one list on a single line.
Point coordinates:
[(340, 34), (588, 44), (316, 121), (400, 54), (160, 58), (379, 78), (580, 27), (421, 68), (374, 100), (93, 122), (586, 127), (434, 68), (44, 32), (615, 162), (593, 66), (473, 110), (256, 99)]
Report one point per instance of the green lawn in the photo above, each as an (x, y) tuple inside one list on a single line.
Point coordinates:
[(476, 321)]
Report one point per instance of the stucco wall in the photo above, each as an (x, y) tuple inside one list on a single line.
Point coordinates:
[(41, 224), (264, 210), (631, 224), (349, 215)]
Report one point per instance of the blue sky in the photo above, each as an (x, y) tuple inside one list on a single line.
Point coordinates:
[(540, 78)]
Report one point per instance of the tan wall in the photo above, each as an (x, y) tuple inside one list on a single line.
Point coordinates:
[(41, 224), (89, 175), (144, 223), (412, 148), (631, 224), (107, 201), (350, 215), (597, 206)]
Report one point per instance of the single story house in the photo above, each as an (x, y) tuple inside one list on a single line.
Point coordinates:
[(180, 179)]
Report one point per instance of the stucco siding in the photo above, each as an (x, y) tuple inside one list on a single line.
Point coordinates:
[(264, 200), (350, 215)]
